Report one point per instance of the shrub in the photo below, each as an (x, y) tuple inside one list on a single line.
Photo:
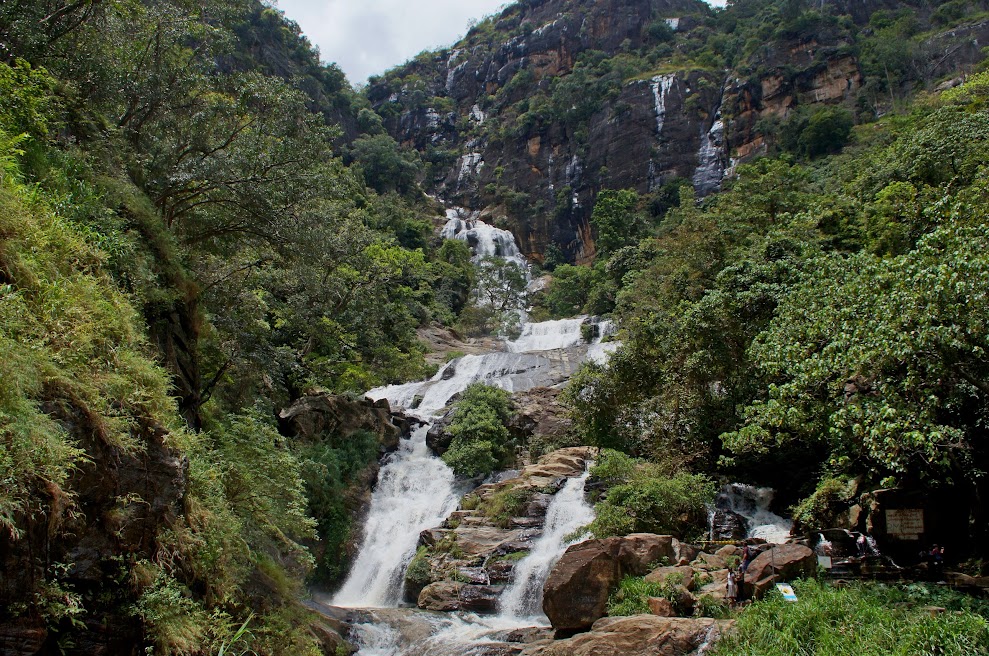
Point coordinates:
[(481, 442), (674, 505), (507, 503)]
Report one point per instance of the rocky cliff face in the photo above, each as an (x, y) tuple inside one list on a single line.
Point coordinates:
[(122, 499), (537, 110)]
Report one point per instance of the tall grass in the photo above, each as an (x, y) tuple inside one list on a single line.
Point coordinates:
[(861, 620)]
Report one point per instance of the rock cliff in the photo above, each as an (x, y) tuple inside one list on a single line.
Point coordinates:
[(549, 102)]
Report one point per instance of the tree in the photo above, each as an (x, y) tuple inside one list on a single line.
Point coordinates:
[(616, 218)]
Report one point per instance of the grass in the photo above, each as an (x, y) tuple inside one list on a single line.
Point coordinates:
[(867, 619)]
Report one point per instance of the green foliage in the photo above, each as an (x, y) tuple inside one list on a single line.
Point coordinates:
[(887, 620), (921, 309), (505, 504), (385, 166), (613, 467), (654, 503), (616, 218), (329, 469), (631, 597), (481, 441), (419, 573), (829, 501)]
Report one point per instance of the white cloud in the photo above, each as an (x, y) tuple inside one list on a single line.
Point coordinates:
[(367, 37)]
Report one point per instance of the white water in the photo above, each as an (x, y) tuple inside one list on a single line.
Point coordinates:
[(711, 159), (753, 503), (486, 240), (568, 512), (415, 491), (548, 335), (661, 85)]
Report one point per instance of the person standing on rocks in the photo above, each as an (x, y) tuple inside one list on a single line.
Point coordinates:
[(732, 589)]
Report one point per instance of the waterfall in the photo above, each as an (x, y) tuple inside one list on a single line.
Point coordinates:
[(415, 491), (710, 159), (661, 85), (753, 503), (486, 240), (568, 512)]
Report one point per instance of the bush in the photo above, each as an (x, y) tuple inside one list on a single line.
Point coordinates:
[(674, 505), (507, 503), (481, 442)]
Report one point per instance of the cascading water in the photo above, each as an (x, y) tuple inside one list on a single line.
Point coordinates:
[(753, 504), (568, 512), (415, 491)]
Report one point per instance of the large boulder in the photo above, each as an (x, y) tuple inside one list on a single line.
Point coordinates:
[(638, 635), (321, 415), (576, 592), (784, 562)]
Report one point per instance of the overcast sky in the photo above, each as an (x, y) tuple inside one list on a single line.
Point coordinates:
[(367, 37)]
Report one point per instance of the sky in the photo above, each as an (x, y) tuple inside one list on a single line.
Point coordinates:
[(367, 37)]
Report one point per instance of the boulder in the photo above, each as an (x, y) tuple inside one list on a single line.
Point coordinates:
[(660, 574), (576, 592), (321, 415), (450, 596), (539, 414), (639, 635), (661, 606), (708, 561), (784, 562)]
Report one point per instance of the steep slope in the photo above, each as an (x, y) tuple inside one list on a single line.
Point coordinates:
[(541, 107)]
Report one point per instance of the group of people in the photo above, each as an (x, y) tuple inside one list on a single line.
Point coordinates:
[(735, 591)]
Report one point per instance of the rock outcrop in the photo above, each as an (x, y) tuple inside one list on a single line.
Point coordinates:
[(641, 635), (465, 563), (784, 562), (320, 415), (576, 593)]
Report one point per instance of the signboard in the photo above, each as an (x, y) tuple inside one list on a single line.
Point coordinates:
[(905, 524), (824, 561), (786, 591)]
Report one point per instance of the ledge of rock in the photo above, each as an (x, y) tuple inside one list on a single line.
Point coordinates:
[(641, 635), (320, 415), (450, 596)]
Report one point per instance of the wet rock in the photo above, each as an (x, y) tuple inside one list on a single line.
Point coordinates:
[(641, 635), (784, 562), (728, 525), (452, 596), (576, 592)]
